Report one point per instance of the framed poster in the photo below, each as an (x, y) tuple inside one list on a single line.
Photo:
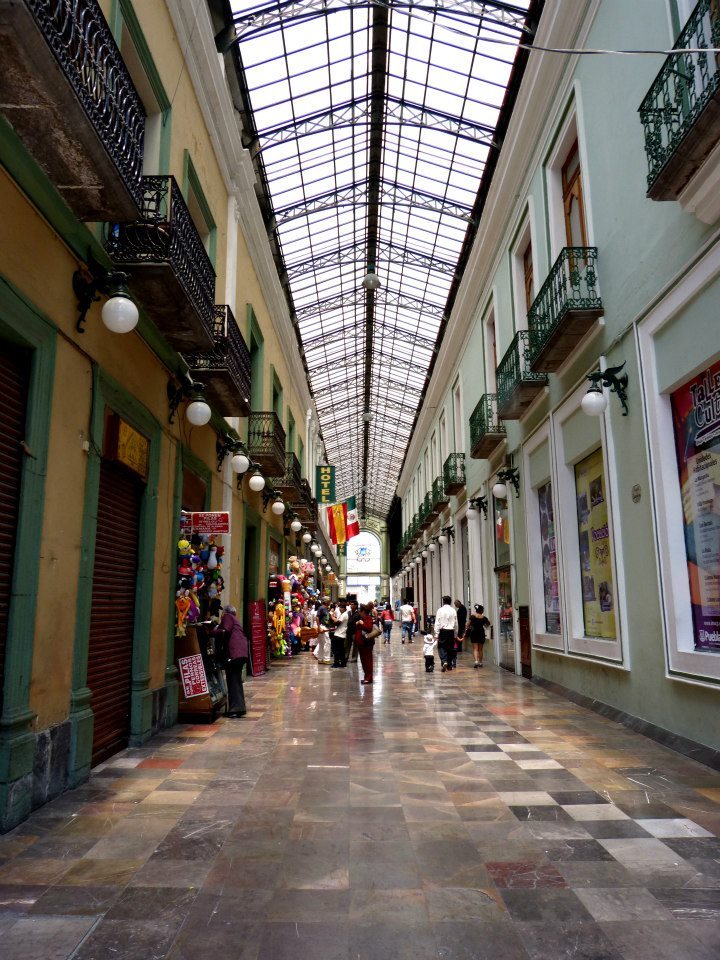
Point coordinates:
[(548, 545), (696, 425), (596, 575)]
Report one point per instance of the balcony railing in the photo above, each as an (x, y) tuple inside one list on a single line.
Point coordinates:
[(565, 309), (66, 91), (288, 483), (486, 428), (440, 499), (681, 112), (171, 271), (266, 442), (517, 383), (454, 473), (426, 510), (306, 505), (225, 370)]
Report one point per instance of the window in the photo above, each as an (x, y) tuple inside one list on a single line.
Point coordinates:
[(277, 396), (523, 275), (490, 353), (198, 207), (291, 433), (257, 361), (433, 457), (573, 203), (595, 548), (443, 441), (528, 285), (458, 425)]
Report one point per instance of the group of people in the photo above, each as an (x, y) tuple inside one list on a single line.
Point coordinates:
[(451, 627), (347, 630)]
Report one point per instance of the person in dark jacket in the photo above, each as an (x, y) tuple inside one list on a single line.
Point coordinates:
[(237, 658)]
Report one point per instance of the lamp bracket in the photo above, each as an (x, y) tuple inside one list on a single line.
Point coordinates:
[(610, 380), (449, 532), (88, 281), (176, 395), (225, 447), (510, 475)]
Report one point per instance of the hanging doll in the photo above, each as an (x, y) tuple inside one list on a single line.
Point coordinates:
[(182, 605)]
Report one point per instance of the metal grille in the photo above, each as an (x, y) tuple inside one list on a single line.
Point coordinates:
[(166, 234), (78, 35), (683, 88), (484, 421), (570, 285), (454, 472), (266, 441), (515, 368), (230, 353), (371, 126)]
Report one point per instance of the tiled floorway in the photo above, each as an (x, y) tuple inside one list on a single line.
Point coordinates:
[(465, 815)]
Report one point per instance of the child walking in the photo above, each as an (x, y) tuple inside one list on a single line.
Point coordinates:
[(429, 648)]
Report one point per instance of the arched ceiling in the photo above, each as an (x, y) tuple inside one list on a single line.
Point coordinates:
[(372, 126)]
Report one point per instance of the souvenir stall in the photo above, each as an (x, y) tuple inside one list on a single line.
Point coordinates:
[(198, 605)]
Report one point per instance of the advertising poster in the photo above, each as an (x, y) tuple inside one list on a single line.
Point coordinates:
[(696, 424), (192, 674), (549, 559), (258, 638), (595, 551)]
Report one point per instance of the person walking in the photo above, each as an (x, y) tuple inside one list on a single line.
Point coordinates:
[(387, 619), (462, 615), (237, 647), (475, 633), (365, 633), (407, 622), (446, 632), (429, 648), (350, 645), (340, 634)]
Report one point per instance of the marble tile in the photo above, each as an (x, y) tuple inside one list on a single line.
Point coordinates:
[(630, 903), (673, 828), (45, 938), (594, 811)]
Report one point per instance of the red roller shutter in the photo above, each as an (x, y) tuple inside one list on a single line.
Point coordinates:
[(113, 608), (14, 380)]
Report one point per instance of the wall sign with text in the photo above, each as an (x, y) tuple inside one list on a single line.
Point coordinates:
[(325, 484)]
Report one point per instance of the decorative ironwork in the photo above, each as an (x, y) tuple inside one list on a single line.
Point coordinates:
[(517, 382), (266, 441), (486, 428), (683, 88), (439, 498), (427, 510), (78, 35), (166, 234), (454, 473), (226, 368), (289, 481), (570, 288)]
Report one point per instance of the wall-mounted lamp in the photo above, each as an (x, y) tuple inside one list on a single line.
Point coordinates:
[(296, 525), (432, 546), (371, 281), (198, 410), (228, 446), (478, 503), (424, 554), (257, 480), (307, 537), (446, 532), (278, 504), (119, 313), (594, 403), (508, 475)]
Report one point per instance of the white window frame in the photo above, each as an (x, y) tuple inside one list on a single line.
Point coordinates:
[(525, 237), (541, 639), (609, 651), (458, 422), (490, 371), (682, 662)]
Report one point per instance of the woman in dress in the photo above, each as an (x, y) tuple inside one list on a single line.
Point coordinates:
[(475, 632)]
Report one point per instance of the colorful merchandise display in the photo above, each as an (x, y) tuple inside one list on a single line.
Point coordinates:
[(199, 586)]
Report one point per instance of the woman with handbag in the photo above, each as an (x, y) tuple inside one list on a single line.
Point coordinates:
[(237, 652), (366, 632)]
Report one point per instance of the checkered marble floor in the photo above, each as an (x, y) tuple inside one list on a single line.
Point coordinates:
[(460, 816)]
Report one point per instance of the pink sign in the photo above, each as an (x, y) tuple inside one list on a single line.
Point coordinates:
[(258, 637), (210, 521), (192, 673)]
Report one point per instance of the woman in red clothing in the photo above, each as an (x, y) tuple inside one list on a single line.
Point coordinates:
[(365, 633)]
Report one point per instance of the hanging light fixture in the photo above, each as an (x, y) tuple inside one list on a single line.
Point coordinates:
[(296, 526), (594, 403), (278, 507), (240, 463), (425, 554), (442, 539), (371, 281), (120, 313), (306, 537), (198, 411), (499, 491), (256, 481), (432, 547)]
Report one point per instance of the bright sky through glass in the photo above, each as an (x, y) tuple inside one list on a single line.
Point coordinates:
[(307, 68)]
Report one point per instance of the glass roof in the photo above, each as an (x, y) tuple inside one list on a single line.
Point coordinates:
[(370, 125)]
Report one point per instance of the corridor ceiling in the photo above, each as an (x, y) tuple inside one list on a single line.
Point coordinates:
[(371, 125)]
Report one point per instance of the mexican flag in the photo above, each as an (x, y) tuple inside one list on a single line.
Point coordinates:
[(343, 521)]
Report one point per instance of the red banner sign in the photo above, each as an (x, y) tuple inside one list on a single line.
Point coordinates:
[(192, 673), (209, 521), (258, 637)]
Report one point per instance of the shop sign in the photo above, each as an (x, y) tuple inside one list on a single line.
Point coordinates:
[(325, 484), (192, 674), (258, 637), (696, 423), (210, 522), (595, 549), (126, 446)]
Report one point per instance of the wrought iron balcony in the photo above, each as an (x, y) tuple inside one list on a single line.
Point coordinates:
[(289, 482), (681, 112), (171, 272), (454, 473), (266, 442), (486, 429), (66, 92), (440, 499), (517, 383), (425, 512), (565, 309), (225, 370)]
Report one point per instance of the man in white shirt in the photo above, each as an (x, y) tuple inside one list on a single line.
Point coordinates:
[(407, 622), (446, 626), (338, 638)]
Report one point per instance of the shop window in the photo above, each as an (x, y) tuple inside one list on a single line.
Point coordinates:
[(548, 545), (595, 551)]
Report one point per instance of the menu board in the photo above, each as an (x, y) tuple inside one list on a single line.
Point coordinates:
[(595, 548), (696, 424), (258, 637)]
